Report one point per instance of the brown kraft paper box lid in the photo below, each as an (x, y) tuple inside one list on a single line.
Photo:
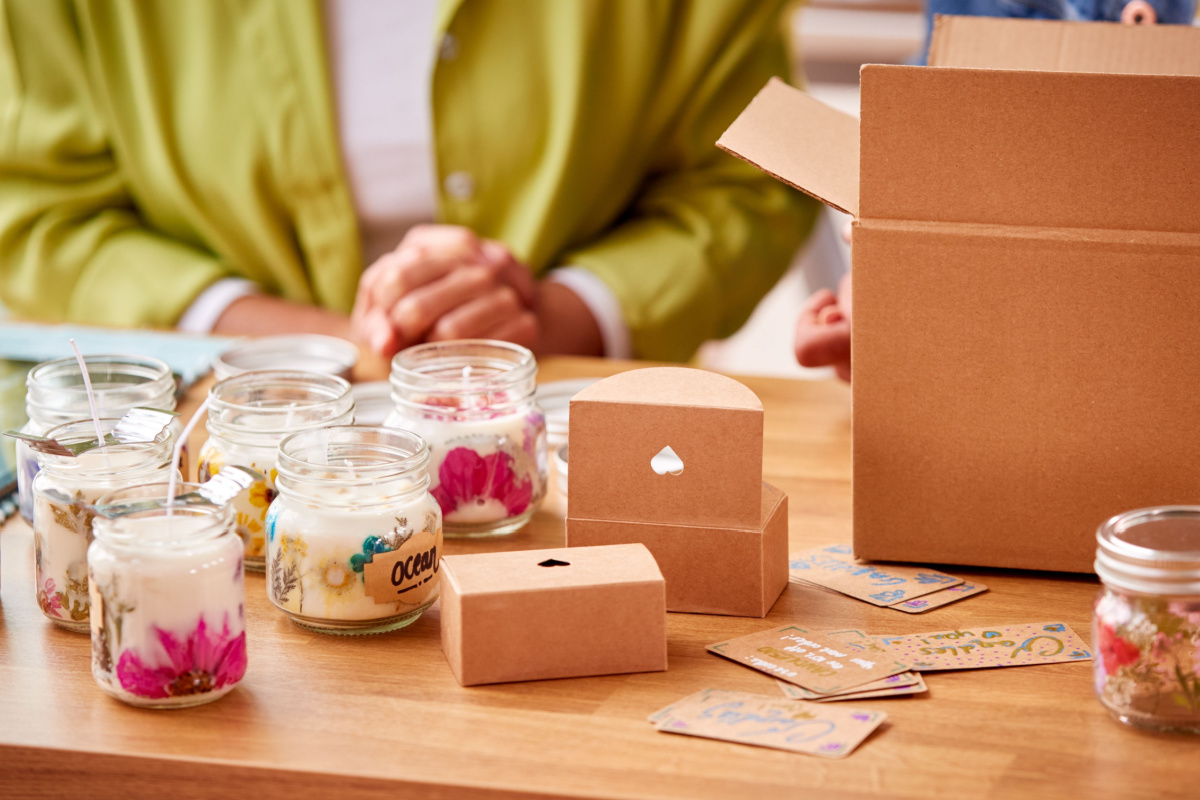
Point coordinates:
[(625, 424), (588, 611), (1026, 279), (729, 571)]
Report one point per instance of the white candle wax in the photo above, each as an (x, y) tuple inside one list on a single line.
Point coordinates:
[(168, 623)]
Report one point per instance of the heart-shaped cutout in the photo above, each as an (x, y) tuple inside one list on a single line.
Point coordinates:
[(666, 461), (554, 562)]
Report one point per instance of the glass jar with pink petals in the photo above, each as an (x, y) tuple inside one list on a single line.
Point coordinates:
[(167, 596), (1146, 624), (473, 402)]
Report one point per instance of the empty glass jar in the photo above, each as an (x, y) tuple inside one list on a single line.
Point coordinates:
[(354, 536), (1146, 626), (473, 402), (167, 595), (248, 416)]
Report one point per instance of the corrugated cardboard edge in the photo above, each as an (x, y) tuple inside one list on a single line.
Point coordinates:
[(800, 141), (451, 624)]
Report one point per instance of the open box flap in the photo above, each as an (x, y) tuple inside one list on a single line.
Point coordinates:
[(1045, 149), (801, 141), (1053, 46)]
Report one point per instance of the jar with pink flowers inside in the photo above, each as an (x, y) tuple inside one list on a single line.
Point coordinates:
[(1146, 624), (473, 402)]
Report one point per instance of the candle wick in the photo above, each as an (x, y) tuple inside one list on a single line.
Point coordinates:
[(177, 453), (91, 397), (350, 464)]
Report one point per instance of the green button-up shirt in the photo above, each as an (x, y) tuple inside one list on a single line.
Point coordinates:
[(149, 149)]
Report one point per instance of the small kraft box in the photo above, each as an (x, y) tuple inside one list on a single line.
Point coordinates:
[(1026, 267), (672, 458), (539, 614)]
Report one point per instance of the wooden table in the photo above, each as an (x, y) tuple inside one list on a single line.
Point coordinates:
[(382, 717)]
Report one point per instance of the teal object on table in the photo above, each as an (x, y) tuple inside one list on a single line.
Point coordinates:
[(189, 357)]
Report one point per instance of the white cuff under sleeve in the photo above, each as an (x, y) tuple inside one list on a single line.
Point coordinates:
[(206, 309), (603, 304)]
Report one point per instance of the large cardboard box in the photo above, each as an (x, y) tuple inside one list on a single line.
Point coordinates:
[(672, 458), (540, 614), (1026, 260)]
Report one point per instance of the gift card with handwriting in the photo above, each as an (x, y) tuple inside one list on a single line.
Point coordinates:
[(905, 683), (834, 567), (764, 721), (942, 597), (994, 646), (809, 659)]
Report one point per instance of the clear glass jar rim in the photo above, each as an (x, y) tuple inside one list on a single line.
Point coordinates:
[(107, 527), (394, 453), (157, 380), (1150, 570), (506, 364), (84, 430), (331, 398)]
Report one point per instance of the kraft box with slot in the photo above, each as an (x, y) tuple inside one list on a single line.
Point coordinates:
[(1026, 261), (672, 458), (540, 614)]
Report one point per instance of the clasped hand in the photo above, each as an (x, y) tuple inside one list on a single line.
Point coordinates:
[(444, 282)]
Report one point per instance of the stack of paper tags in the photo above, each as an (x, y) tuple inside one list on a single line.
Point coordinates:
[(845, 665), (832, 732), (899, 685), (910, 589)]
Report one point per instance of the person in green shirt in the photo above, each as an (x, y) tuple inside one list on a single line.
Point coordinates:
[(150, 151)]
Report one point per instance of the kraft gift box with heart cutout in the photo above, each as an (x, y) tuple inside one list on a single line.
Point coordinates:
[(672, 458), (540, 614)]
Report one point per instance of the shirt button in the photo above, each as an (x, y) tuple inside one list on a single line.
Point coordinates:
[(448, 51), (460, 185)]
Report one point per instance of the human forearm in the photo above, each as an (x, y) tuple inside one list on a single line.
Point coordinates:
[(257, 315)]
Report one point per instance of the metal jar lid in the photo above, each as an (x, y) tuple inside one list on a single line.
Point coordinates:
[(1152, 551)]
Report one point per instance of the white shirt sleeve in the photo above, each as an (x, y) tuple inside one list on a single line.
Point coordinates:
[(603, 304), (208, 307)]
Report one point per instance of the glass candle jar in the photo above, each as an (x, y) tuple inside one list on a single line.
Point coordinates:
[(65, 490), (248, 416), (1146, 626), (354, 536), (473, 402), (55, 394), (168, 625)]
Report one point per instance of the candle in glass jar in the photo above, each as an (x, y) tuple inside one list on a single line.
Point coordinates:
[(55, 395), (354, 536), (65, 490), (473, 402), (248, 416), (167, 593)]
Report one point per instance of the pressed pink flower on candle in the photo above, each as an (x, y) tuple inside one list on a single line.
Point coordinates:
[(202, 662), (467, 480)]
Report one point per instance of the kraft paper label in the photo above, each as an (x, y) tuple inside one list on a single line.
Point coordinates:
[(407, 574), (812, 660), (996, 646), (919, 605), (764, 721), (834, 568)]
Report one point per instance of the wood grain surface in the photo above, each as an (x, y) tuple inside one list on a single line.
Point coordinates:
[(381, 716)]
